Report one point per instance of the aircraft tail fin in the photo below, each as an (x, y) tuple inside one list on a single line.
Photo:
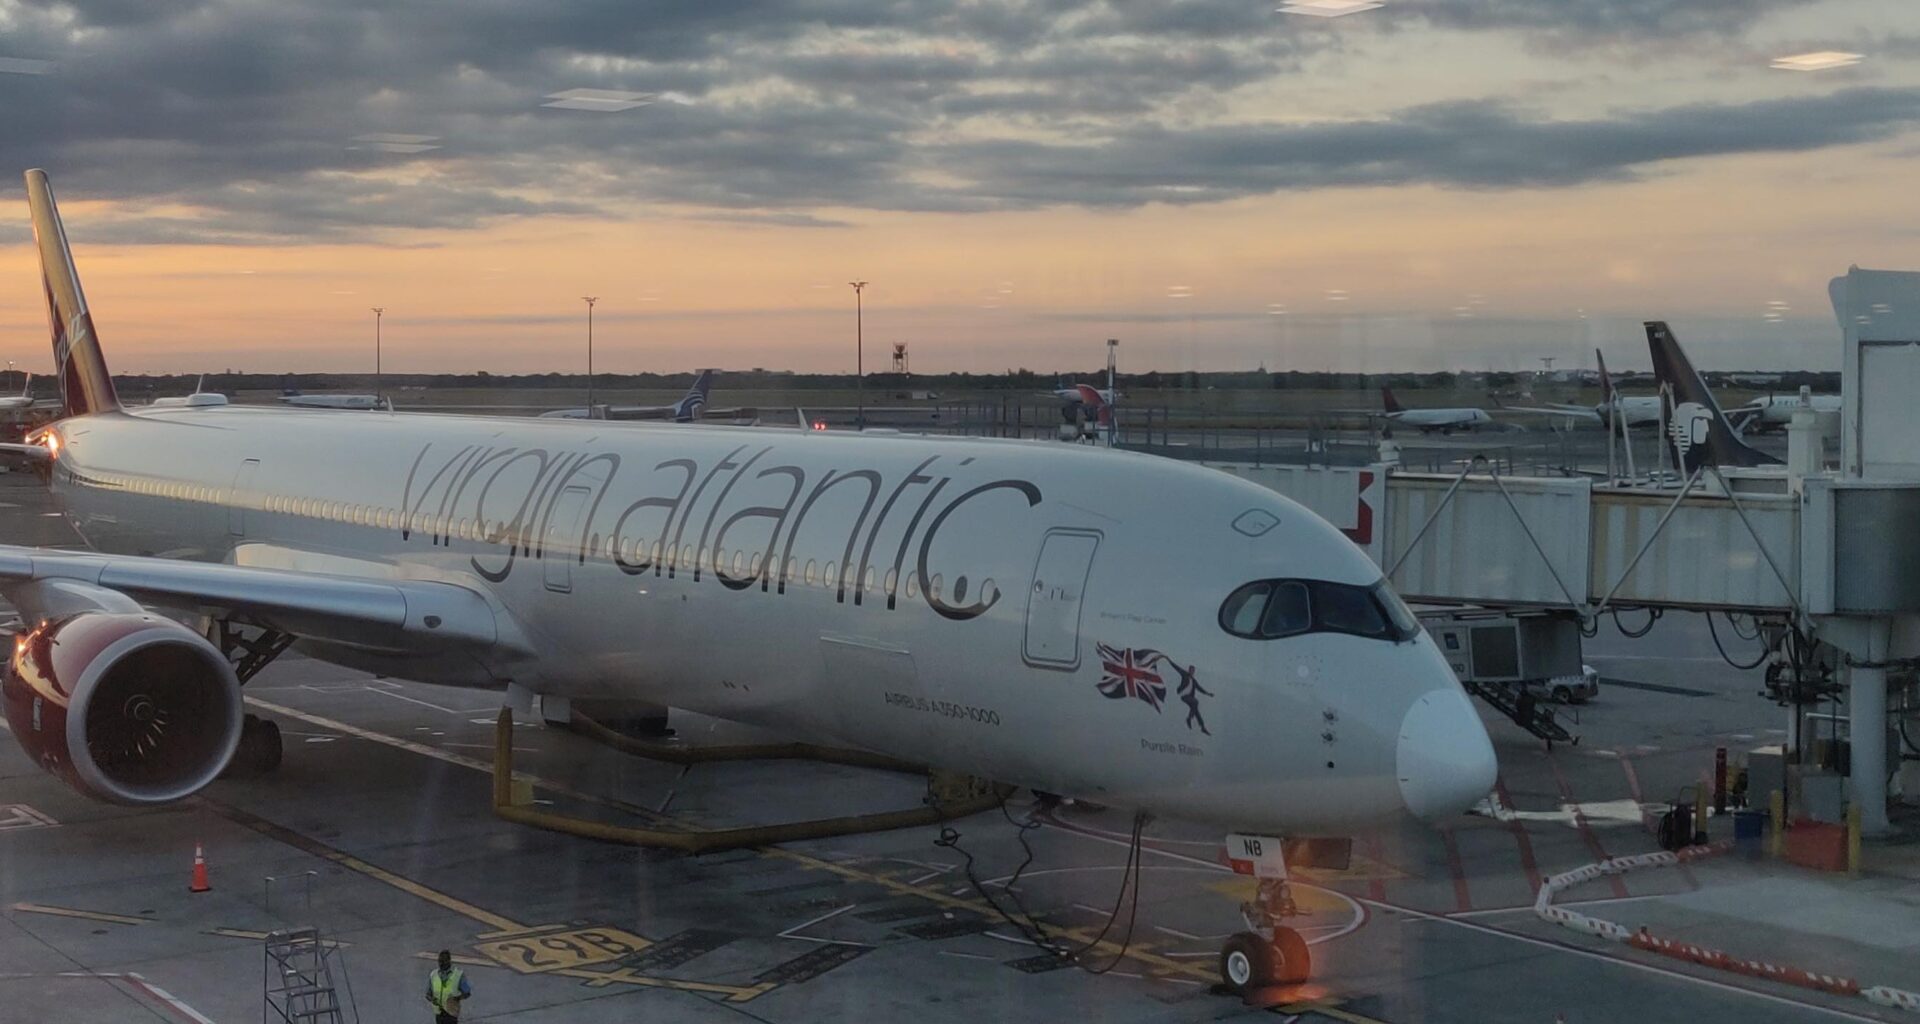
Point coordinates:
[(689, 407), (85, 385), (1607, 394), (1696, 428), (1388, 402)]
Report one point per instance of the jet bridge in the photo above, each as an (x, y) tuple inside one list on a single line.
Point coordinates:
[(1483, 539)]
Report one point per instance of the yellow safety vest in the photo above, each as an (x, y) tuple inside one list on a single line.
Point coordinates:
[(441, 986)]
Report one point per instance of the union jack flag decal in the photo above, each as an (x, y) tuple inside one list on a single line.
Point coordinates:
[(1126, 672), (1135, 672)]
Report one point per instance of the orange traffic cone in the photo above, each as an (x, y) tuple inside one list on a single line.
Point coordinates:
[(199, 883)]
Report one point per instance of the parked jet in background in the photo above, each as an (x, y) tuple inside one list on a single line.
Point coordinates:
[(1446, 421), (1697, 431), (1083, 393), (1638, 410), (361, 402), (689, 408), (1774, 412)]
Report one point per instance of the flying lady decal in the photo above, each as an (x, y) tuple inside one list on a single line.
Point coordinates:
[(1135, 673)]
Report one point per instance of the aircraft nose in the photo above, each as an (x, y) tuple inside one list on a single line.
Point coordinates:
[(1444, 760)]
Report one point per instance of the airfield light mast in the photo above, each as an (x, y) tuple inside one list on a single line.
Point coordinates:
[(859, 348), (378, 312), (590, 300)]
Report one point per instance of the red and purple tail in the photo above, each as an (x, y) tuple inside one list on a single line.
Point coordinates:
[(85, 385)]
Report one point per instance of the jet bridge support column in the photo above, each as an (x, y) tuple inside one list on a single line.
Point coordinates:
[(1867, 728)]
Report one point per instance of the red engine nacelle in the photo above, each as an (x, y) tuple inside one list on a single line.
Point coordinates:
[(127, 707)]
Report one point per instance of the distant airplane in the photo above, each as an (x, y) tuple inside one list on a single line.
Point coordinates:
[(1446, 421), (362, 402), (1774, 412), (23, 400), (1696, 429), (1083, 393), (691, 406), (200, 398), (1638, 410)]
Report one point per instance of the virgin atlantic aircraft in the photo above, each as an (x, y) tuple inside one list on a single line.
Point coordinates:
[(1132, 630)]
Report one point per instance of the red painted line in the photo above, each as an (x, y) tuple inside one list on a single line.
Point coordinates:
[(1519, 837), (1580, 821), (1462, 899)]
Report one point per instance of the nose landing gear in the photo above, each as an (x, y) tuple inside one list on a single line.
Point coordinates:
[(1268, 953)]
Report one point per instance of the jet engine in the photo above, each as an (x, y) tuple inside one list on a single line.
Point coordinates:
[(125, 706)]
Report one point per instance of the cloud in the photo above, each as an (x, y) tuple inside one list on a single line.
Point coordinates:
[(232, 121), (1476, 145)]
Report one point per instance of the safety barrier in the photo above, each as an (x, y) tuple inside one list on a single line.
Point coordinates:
[(1705, 956)]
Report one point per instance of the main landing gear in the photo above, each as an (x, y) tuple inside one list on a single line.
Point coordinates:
[(260, 748), (1268, 953), (249, 649)]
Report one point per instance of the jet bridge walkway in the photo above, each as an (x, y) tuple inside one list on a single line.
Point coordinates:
[(1731, 542)]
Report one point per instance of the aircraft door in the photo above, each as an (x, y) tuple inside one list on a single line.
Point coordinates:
[(1054, 600), (560, 546), (239, 495)]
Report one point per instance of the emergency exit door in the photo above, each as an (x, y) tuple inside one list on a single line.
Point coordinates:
[(562, 544), (238, 496), (1054, 600)]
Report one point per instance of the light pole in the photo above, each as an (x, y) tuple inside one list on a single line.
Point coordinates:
[(859, 349), (590, 300), (378, 312)]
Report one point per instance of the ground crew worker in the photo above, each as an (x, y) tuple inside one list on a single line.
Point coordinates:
[(446, 989)]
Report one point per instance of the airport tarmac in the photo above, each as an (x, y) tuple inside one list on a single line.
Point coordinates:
[(378, 829)]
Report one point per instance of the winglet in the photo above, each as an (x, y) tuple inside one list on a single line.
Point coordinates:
[(1697, 430), (85, 384), (1606, 379)]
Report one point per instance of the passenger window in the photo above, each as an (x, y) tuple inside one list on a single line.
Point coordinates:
[(807, 574), (827, 578), (1288, 610)]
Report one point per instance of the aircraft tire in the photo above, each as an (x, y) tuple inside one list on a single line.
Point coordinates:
[(1247, 962), (1293, 964)]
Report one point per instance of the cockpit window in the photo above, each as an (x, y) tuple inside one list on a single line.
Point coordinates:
[(1289, 610), (1241, 614), (1349, 610), (1270, 609)]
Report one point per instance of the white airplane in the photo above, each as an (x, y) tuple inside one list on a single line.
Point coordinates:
[(1445, 421), (691, 407), (1085, 394), (23, 400), (360, 402), (1774, 412), (1141, 632), (1639, 410)]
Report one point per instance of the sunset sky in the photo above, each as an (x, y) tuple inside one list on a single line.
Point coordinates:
[(1431, 184)]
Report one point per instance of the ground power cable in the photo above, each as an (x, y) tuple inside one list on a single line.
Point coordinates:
[(1029, 926)]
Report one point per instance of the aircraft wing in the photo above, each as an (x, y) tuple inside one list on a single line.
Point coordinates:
[(397, 615), (25, 454), (1579, 412)]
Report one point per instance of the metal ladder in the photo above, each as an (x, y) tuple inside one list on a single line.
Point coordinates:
[(1542, 722), (299, 978)]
